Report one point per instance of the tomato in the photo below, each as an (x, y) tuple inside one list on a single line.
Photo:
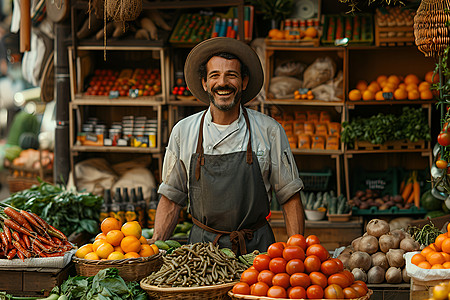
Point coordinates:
[(281, 279), (300, 279), (314, 292), (350, 293), (297, 240), (443, 139), (277, 265), (259, 289), (339, 279), (359, 289), (311, 240), (292, 252), (261, 262), (295, 266), (312, 263), (339, 263), (297, 292), (334, 291), (266, 277), (441, 164), (249, 276), (318, 278), (276, 292), (319, 251), (361, 283), (241, 288), (275, 250), (329, 267), (349, 275)]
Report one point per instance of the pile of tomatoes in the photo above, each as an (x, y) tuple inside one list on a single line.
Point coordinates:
[(299, 269)]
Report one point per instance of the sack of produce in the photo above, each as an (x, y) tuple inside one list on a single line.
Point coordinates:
[(320, 71)]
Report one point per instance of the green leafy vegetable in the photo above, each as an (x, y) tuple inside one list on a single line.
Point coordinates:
[(69, 211)]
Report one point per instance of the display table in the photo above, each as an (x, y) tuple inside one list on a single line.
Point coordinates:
[(386, 291)]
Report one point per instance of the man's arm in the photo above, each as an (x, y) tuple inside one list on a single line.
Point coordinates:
[(166, 219), (294, 215)]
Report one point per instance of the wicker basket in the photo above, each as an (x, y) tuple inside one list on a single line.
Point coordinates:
[(211, 292), (249, 297), (130, 269), (17, 184)]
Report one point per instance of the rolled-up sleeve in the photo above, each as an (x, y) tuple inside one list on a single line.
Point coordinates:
[(174, 174), (284, 173)]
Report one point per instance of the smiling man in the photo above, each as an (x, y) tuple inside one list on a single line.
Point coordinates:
[(226, 161)]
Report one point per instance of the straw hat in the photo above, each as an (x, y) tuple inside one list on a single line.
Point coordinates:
[(205, 50)]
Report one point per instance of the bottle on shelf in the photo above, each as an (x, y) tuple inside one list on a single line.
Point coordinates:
[(116, 207), (151, 211), (105, 208), (130, 207), (142, 208), (138, 208)]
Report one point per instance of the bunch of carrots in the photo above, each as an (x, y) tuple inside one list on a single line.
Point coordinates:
[(24, 234), (410, 189)]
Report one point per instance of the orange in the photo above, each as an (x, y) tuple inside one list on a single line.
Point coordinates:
[(388, 89), (354, 95), (426, 95), (400, 94), (155, 248), (368, 95), (402, 86), (426, 250), (438, 241), (374, 87), (83, 250), (446, 246), (132, 229), (130, 244), (101, 235), (361, 85), (435, 258), (276, 34), (143, 240), (417, 258), (423, 86), (110, 223), (394, 79), (104, 250), (437, 266), (146, 250), (118, 249), (115, 255), (92, 256), (413, 95), (448, 228), (446, 265), (433, 247), (311, 32), (132, 255), (446, 256), (114, 237), (411, 78), (424, 265), (430, 77), (411, 87), (381, 79), (379, 96), (97, 244)]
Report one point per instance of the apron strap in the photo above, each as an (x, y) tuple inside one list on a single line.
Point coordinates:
[(201, 158), (237, 237)]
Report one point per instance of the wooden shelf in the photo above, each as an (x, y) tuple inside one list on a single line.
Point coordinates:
[(316, 152), (118, 45), (121, 101), (303, 102), (352, 104), (425, 151), (114, 149)]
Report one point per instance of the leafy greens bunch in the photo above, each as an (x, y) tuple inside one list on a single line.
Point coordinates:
[(70, 212)]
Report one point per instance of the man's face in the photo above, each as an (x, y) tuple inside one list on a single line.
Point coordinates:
[(224, 83)]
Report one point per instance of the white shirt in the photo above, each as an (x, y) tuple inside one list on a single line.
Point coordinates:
[(269, 143)]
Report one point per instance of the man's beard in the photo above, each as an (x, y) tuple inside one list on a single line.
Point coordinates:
[(225, 107)]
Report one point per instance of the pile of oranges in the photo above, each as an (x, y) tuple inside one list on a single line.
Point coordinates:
[(435, 255), (117, 241), (277, 34), (299, 269), (408, 88)]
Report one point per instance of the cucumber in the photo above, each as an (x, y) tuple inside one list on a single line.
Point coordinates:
[(228, 252), (311, 200), (172, 244), (51, 297), (318, 202), (333, 207), (303, 197), (341, 207), (162, 245)]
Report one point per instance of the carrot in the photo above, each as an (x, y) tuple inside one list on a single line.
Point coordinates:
[(407, 191), (7, 231), (16, 236), (57, 241), (21, 249), (17, 217), (26, 240), (32, 221), (402, 186), (4, 239), (45, 248), (416, 193), (56, 233), (47, 241), (11, 253), (20, 255), (410, 198), (40, 220), (13, 225), (55, 254)]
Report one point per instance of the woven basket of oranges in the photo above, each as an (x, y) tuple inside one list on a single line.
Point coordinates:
[(119, 246)]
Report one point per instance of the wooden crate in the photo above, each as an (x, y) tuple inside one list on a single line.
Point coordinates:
[(390, 145), (34, 283), (386, 291), (421, 289), (382, 37)]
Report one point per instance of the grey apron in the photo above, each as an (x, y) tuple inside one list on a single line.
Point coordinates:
[(228, 199)]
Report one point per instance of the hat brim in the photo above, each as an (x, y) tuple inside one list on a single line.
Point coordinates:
[(206, 49)]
